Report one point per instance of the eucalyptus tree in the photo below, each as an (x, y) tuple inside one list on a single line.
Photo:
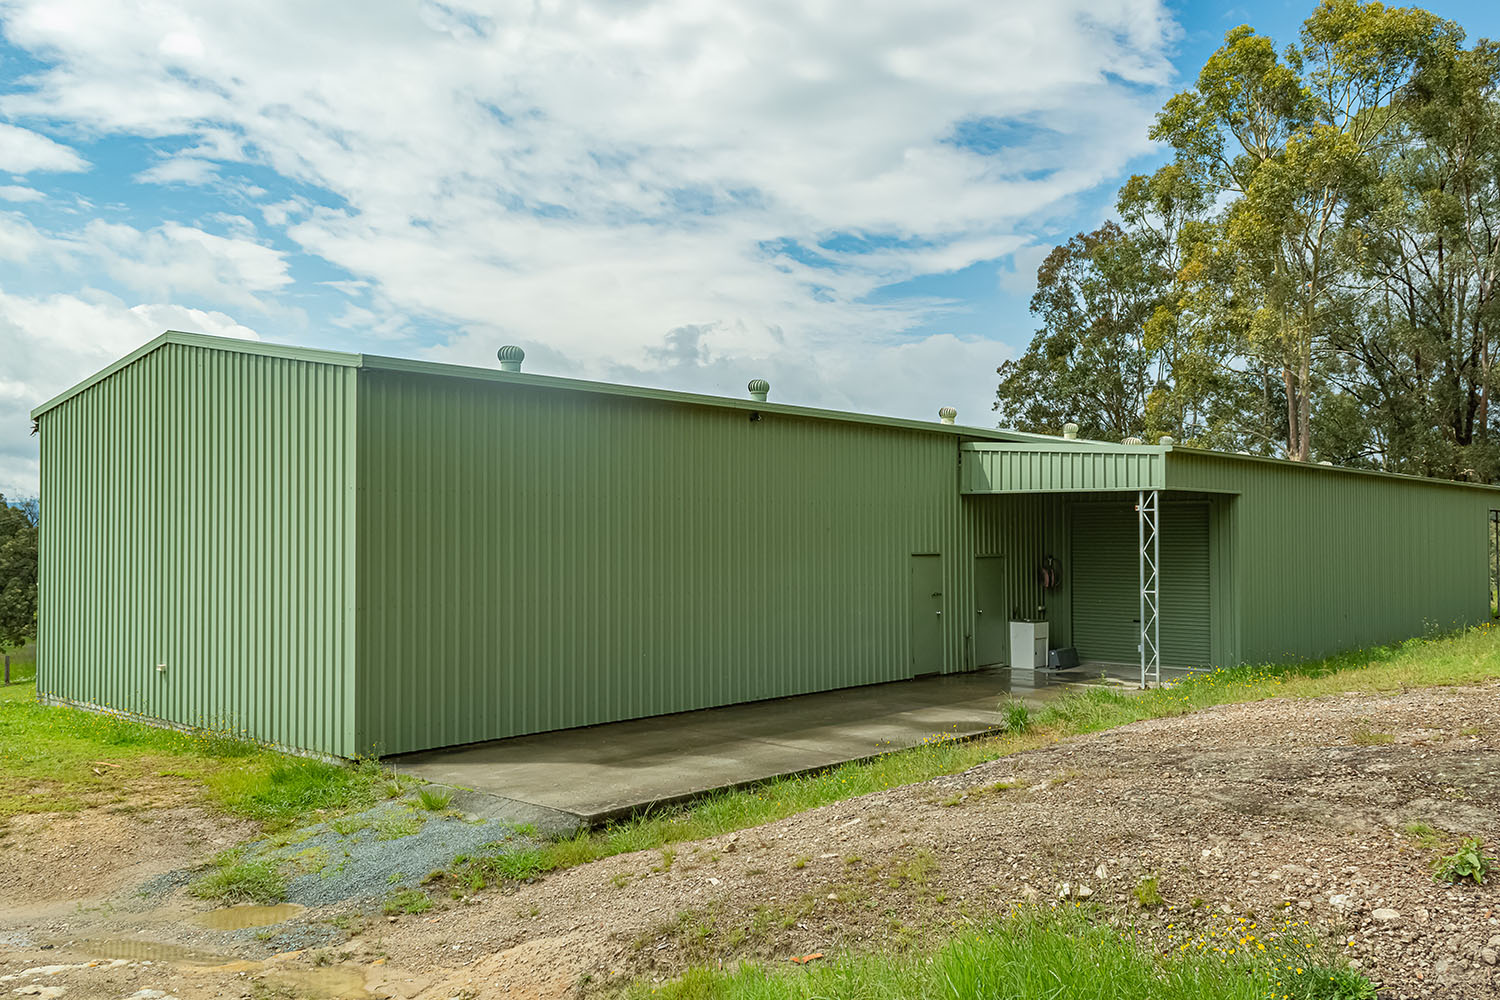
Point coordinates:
[(1422, 348), (1290, 142)]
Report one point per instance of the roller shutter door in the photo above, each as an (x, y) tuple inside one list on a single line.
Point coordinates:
[(1106, 584)]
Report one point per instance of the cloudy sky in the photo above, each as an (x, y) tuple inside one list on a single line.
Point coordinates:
[(847, 198)]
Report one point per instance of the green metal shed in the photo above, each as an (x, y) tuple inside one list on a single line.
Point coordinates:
[(349, 554)]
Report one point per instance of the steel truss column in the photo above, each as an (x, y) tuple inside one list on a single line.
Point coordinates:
[(1148, 526)]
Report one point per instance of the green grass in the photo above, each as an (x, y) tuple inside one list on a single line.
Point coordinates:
[(1469, 657), (236, 881), (22, 662), (54, 758), (1032, 957), (407, 901), (1147, 892)]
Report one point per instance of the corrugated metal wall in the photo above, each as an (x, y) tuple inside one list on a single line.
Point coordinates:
[(535, 559), (1325, 561), (197, 514), (1059, 468), (1105, 591)]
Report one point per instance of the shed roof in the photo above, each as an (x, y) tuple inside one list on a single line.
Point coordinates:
[(375, 362), (1042, 459)]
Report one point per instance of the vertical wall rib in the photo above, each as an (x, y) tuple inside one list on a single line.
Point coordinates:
[(195, 517), (536, 559), (1325, 561)]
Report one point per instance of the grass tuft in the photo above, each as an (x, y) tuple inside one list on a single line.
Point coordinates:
[(434, 799), (407, 901), (236, 881), (1016, 715), (1147, 892)]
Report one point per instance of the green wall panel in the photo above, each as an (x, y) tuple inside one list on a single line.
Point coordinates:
[(1327, 559), (1105, 590), (198, 514), (532, 559)]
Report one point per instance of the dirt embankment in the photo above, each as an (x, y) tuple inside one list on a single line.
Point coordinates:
[(1274, 811)]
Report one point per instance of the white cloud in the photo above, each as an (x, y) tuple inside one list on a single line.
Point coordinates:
[(1019, 275), (586, 178), (176, 261), (52, 342), (179, 170), (23, 151), (19, 192)]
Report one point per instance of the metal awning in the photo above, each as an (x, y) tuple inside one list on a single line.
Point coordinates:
[(1059, 467)]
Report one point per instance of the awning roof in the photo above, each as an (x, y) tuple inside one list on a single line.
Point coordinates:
[(1061, 467)]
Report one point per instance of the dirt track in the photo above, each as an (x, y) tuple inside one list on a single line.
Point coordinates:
[(1283, 810)]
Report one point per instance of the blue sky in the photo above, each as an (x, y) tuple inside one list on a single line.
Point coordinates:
[(849, 199)]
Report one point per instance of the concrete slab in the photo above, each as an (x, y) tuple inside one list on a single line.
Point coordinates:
[(609, 771)]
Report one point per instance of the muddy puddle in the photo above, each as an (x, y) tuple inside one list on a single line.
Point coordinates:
[(236, 918), (147, 951), (336, 982)]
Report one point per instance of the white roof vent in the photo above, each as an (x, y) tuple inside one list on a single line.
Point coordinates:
[(510, 357)]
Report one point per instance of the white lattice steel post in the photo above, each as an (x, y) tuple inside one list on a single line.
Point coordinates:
[(1148, 528)]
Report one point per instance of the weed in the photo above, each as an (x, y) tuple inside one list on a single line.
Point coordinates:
[(349, 825), (1430, 838), (407, 901), (667, 856), (311, 861), (1147, 892), (914, 870), (236, 881), (505, 864), (1469, 861), (1364, 736), (434, 799), (801, 861), (1016, 715)]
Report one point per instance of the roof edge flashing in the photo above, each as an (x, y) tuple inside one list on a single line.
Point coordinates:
[(207, 342)]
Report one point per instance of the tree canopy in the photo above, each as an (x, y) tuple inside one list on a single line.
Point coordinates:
[(18, 564), (1312, 276)]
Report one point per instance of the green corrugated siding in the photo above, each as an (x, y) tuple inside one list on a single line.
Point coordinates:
[(1106, 583), (1059, 468), (1021, 528), (197, 514), (1328, 560), (533, 559)]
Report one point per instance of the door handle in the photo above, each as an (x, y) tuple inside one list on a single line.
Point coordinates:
[(939, 614)]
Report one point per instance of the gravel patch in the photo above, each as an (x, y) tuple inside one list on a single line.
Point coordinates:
[(384, 849)]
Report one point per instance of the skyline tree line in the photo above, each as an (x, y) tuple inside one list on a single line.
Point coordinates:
[(1313, 275)]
